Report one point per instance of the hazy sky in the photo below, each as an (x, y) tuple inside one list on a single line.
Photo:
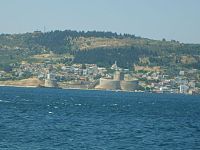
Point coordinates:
[(157, 19)]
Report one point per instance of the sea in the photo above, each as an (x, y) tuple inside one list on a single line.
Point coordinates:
[(59, 119)]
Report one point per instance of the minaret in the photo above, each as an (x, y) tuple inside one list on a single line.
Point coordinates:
[(114, 66)]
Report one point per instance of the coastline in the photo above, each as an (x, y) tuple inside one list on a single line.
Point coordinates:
[(30, 82), (85, 89), (64, 88), (1, 85)]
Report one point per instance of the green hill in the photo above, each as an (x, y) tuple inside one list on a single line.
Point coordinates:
[(102, 48)]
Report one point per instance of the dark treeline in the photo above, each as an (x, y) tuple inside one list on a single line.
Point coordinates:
[(94, 33)]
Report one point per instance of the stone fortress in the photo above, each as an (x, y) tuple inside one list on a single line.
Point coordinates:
[(119, 81)]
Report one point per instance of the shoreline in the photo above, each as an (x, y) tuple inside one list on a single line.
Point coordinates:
[(1, 85), (85, 89)]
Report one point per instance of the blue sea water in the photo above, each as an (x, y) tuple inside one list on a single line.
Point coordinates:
[(51, 119)]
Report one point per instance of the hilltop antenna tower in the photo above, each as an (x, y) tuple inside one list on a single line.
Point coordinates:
[(44, 29)]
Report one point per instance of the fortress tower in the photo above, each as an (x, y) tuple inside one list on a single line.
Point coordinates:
[(50, 81)]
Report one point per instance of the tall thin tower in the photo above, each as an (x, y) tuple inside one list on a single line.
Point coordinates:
[(44, 29)]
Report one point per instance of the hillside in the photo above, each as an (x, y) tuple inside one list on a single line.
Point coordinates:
[(102, 48)]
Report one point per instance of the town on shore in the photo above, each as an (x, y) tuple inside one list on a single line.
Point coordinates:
[(91, 76)]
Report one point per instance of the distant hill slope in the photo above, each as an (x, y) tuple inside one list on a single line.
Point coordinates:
[(102, 48)]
